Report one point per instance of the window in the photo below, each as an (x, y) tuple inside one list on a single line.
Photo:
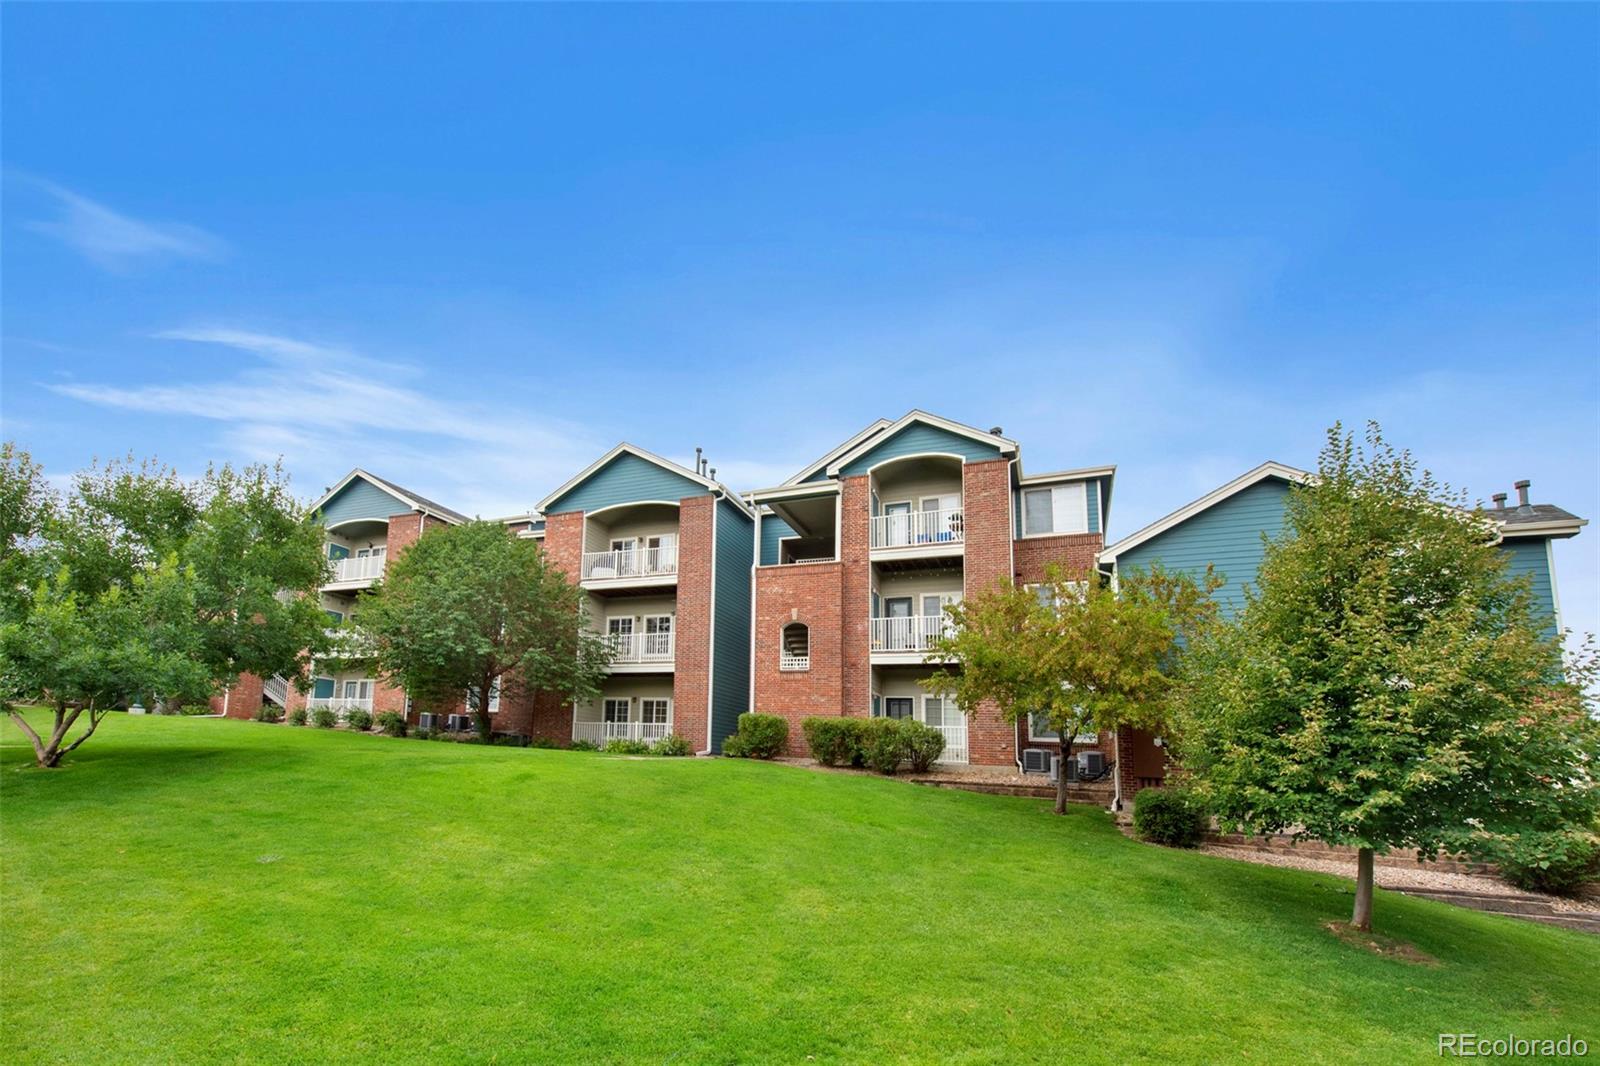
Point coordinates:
[(1039, 729), (494, 697), (934, 711), (1046, 594), (358, 690), (655, 712), (1056, 509), (616, 710), (794, 653), (658, 636), (897, 707)]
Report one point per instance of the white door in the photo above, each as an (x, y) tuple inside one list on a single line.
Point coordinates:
[(658, 636), (897, 524), (620, 630), (615, 713), (625, 550), (655, 716), (897, 624), (939, 518)]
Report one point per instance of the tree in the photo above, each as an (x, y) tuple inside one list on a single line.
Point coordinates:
[(1079, 653), (27, 504), (1387, 684), (468, 609)]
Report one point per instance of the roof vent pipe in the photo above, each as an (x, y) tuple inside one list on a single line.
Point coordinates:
[(697, 459), (996, 431), (1499, 499), (713, 473), (1522, 491)]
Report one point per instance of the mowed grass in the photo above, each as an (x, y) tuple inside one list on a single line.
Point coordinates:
[(204, 890)]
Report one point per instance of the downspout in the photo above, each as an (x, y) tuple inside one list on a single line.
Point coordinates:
[(755, 562), (1116, 777), (1011, 546)]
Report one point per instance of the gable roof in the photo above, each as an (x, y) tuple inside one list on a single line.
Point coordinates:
[(1536, 520), (822, 464), (668, 465), (1261, 473), (1002, 444), (412, 500)]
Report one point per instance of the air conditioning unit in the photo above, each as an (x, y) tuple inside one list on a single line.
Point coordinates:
[(459, 723), (1036, 760), (428, 720), (1091, 764)]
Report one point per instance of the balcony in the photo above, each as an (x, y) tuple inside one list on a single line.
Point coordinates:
[(355, 572), (339, 705), (788, 660), (347, 643), (920, 533), (639, 566), (641, 649), (602, 732), (907, 639)]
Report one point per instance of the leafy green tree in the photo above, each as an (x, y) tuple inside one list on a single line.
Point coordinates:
[(1081, 655), (27, 504), (1388, 685), (470, 608)]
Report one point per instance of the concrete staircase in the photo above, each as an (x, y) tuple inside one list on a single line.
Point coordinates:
[(1100, 793), (1527, 907)]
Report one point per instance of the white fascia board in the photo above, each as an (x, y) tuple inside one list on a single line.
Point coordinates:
[(1005, 445), (822, 464), (1211, 499)]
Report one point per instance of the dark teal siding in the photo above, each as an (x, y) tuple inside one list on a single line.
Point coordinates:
[(361, 499), (1530, 558), (916, 439), (773, 529), (626, 479), (730, 635), (1226, 535)]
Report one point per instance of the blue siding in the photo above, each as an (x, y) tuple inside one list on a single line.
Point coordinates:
[(730, 637), (362, 499), (1227, 535), (626, 479), (1091, 489), (916, 438), (773, 529), (1530, 558)]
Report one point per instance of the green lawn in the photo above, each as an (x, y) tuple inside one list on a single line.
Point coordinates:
[(199, 890)]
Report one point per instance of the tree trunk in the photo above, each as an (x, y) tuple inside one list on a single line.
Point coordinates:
[(1361, 917), (480, 712), (1061, 777)]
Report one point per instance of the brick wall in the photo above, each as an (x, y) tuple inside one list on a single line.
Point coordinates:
[(1074, 551), (563, 543), (242, 700), (809, 593), (986, 510), (855, 596), (691, 680)]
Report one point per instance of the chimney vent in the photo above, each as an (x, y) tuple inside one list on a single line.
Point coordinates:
[(713, 473), (697, 452), (1499, 499), (1522, 491), (996, 431)]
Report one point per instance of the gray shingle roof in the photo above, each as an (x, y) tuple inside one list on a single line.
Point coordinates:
[(1538, 512), (456, 516)]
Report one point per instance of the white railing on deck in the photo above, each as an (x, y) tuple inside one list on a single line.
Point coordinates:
[(916, 633), (641, 647), (366, 568), (340, 704), (917, 528), (601, 732), (790, 661), (635, 562), (955, 742)]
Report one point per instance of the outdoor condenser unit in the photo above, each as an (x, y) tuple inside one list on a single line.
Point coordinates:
[(1091, 764), (459, 723), (1036, 760), (427, 720)]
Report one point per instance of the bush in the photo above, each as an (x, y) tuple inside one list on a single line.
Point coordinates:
[(1170, 816), (583, 745), (357, 719), (618, 746), (298, 716), (885, 744), (268, 712), (323, 718), (834, 741), (1557, 863), (671, 744), (392, 724), (760, 736), (924, 745), (542, 741)]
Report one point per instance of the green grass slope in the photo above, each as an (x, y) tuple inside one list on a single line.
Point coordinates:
[(204, 890)]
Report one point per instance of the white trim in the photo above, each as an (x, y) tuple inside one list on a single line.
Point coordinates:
[(822, 464), (377, 483), (639, 453), (1083, 474), (1266, 470), (1003, 445), (711, 637), (796, 492), (353, 521), (1550, 568), (1555, 527), (872, 471), (530, 516), (633, 503), (1022, 491)]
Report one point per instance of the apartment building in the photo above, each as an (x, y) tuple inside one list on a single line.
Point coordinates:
[(861, 551)]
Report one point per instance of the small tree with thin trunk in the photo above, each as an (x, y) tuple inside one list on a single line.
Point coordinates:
[(1082, 656), (471, 608), (1387, 684)]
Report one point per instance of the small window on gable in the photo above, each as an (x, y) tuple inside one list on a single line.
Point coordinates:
[(795, 652), (1056, 509)]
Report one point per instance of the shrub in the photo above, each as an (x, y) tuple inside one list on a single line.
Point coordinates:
[(1558, 863), (924, 745), (885, 744), (323, 718), (583, 745), (834, 741), (760, 736), (542, 741), (298, 716), (509, 740), (392, 724), (268, 712), (1170, 816), (618, 746), (671, 744), (358, 719)]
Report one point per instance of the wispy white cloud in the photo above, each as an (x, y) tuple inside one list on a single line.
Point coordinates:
[(118, 242), (325, 409)]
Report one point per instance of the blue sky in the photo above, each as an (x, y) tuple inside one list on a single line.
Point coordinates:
[(472, 247)]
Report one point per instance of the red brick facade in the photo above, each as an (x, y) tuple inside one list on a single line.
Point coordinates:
[(855, 553), (986, 511), (691, 679), (1075, 552), (811, 593)]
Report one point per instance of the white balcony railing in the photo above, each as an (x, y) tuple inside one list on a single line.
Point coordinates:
[(955, 742), (365, 568), (602, 732), (340, 704), (348, 643), (918, 528), (916, 633), (631, 562), (788, 660), (641, 648)]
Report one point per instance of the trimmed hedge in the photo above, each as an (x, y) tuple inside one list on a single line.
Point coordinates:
[(924, 745), (298, 716), (268, 713), (884, 744), (1558, 863), (392, 724), (672, 745), (1170, 816), (881, 744), (583, 745), (618, 746), (358, 719), (323, 718), (834, 741), (760, 736)]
